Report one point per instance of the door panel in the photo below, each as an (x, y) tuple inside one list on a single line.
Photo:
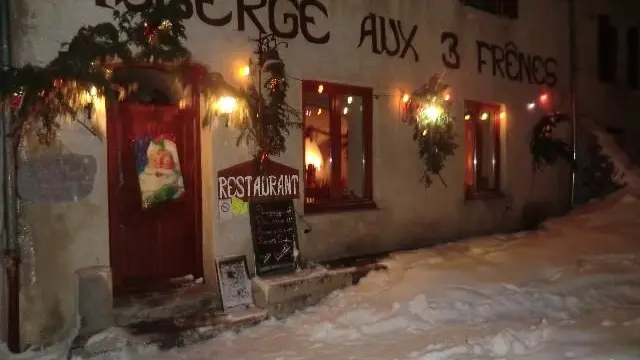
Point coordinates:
[(150, 247)]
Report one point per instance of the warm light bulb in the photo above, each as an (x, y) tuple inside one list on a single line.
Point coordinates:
[(405, 98), (447, 97), (467, 117), (484, 116), (93, 91), (349, 99), (319, 111), (227, 104), (531, 106), (245, 71), (433, 112), (544, 98), (424, 132), (345, 110), (503, 115), (320, 89)]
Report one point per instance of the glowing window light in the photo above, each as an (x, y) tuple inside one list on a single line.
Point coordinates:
[(312, 155)]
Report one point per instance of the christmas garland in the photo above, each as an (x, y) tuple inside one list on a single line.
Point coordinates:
[(427, 110), (545, 149), (262, 120), (83, 71)]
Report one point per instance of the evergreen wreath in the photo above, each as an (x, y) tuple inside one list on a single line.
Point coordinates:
[(268, 119), (545, 149), (83, 70), (428, 111)]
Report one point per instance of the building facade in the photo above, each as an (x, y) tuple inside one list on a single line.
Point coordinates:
[(350, 63)]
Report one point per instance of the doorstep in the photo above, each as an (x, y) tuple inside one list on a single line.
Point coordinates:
[(282, 295), (165, 333), (180, 302), (193, 314)]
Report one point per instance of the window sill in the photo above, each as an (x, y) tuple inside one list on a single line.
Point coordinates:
[(480, 195), (337, 207)]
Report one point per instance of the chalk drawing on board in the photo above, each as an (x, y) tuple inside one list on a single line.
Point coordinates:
[(235, 285)]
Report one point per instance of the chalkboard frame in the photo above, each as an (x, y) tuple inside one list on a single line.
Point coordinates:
[(283, 269)]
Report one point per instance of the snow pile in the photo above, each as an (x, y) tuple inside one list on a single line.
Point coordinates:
[(628, 172), (568, 292)]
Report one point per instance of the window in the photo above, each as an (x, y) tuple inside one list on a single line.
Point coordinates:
[(337, 146), (482, 148), (632, 57), (607, 50), (506, 8)]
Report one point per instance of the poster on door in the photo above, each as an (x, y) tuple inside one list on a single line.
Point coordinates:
[(158, 168)]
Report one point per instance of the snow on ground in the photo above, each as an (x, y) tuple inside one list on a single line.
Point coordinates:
[(568, 291)]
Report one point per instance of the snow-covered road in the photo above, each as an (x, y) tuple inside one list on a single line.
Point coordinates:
[(571, 290), (568, 291)]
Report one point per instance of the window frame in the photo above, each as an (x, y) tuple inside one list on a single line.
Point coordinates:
[(633, 57), (333, 89), (502, 9), (473, 192), (607, 48)]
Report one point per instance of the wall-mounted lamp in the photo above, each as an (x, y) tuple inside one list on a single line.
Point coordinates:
[(226, 104)]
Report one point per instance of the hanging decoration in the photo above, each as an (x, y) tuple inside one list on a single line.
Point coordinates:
[(428, 111), (270, 117), (158, 169), (545, 149), (82, 71)]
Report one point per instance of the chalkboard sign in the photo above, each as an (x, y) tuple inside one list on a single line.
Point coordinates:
[(235, 285), (275, 236)]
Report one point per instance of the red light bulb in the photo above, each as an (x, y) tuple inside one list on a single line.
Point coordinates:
[(544, 98)]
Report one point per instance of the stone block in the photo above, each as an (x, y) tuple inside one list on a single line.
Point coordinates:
[(283, 295), (95, 299)]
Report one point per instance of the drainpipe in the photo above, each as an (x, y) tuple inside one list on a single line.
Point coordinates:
[(12, 251), (573, 92)]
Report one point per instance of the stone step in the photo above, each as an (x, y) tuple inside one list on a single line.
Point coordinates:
[(182, 331), (284, 294), (182, 302), (165, 333)]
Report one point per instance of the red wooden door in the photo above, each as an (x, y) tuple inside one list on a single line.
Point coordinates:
[(149, 247)]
